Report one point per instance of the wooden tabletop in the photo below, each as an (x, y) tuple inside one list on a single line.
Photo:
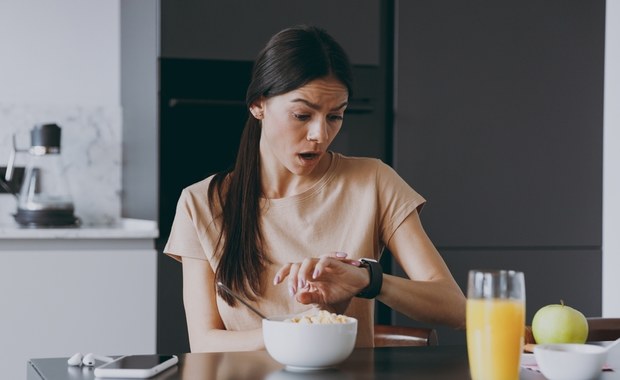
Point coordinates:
[(434, 362)]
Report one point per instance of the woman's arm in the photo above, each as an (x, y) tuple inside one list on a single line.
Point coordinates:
[(431, 295), (206, 329)]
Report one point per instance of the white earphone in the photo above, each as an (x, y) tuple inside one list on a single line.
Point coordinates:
[(87, 360)]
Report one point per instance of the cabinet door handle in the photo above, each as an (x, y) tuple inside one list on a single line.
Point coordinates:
[(360, 109), (176, 102)]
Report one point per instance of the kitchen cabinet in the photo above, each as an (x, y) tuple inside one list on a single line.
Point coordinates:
[(500, 119), (90, 289), (499, 122), (238, 29)]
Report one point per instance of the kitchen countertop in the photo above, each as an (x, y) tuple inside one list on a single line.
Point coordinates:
[(124, 229)]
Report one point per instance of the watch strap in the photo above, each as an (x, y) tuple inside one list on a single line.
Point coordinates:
[(375, 271)]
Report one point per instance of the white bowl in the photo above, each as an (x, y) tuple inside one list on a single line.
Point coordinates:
[(303, 347), (570, 361)]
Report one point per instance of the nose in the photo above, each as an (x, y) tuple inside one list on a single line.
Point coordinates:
[(317, 132)]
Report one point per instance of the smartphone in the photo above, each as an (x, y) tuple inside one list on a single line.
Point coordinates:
[(136, 366)]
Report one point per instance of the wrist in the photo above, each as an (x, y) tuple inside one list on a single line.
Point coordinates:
[(375, 273)]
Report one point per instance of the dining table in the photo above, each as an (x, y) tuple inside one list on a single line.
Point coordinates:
[(427, 362)]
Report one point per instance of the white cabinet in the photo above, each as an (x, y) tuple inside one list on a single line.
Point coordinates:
[(82, 290)]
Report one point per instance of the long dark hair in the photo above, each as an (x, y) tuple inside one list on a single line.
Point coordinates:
[(291, 59)]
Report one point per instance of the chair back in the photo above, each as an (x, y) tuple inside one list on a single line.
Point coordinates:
[(399, 336), (601, 329)]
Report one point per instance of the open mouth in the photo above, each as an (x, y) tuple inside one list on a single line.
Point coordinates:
[(309, 156)]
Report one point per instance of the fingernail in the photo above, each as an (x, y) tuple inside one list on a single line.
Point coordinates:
[(356, 263), (316, 273), (291, 291), (341, 254), (276, 280)]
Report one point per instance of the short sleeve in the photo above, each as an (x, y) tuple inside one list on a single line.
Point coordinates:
[(184, 238), (397, 200)]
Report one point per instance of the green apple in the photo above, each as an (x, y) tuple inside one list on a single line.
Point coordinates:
[(559, 324)]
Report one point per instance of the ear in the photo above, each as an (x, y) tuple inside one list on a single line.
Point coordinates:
[(258, 109)]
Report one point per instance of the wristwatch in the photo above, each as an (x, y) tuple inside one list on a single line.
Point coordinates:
[(375, 271)]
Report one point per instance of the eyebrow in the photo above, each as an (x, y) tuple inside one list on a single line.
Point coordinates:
[(316, 106)]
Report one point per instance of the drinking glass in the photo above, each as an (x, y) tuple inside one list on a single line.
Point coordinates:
[(495, 321)]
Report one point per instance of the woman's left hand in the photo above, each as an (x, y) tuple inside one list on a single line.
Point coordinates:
[(330, 281)]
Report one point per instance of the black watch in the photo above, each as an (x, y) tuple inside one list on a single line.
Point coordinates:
[(375, 271)]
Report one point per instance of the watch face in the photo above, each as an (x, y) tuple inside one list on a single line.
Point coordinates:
[(366, 260)]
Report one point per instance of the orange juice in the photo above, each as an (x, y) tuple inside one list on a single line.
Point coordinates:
[(495, 338)]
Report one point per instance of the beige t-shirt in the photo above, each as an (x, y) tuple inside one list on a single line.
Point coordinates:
[(355, 208)]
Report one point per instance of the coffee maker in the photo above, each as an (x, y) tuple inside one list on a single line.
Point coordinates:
[(44, 199)]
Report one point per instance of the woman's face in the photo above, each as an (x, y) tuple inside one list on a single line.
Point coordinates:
[(299, 126)]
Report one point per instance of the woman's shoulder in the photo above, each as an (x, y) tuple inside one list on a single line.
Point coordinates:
[(361, 165), (195, 200), (358, 161), (198, 192), (199, 188), (368, 171)]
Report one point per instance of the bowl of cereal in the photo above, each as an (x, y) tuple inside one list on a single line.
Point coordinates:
[(310, 342)]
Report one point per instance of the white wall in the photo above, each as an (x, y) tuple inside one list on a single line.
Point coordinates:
[(611, 163), (60, 62), (60, 52)]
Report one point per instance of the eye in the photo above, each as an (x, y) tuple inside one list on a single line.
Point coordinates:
[(335, 117), (301, 116)]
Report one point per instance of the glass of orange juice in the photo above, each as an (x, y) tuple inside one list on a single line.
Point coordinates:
[(495, 321)]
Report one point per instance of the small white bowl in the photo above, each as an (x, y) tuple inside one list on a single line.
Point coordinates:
[(570, 361), (307, 347)]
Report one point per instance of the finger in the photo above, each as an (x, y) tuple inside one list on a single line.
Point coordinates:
[(337, 254), (355, 263), (308, 297), (282, 273), (321, 265), (305, 272), (292, 279), (342, 256)]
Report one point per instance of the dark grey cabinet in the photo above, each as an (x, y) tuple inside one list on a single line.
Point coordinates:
[(499, 119), (238, 29), (499, 122)]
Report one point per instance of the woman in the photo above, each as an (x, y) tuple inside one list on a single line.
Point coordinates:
[(292, 223)]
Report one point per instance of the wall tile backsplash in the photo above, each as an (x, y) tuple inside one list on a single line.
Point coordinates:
[(90, 149)]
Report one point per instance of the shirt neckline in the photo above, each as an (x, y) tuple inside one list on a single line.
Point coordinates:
[(311, 191)]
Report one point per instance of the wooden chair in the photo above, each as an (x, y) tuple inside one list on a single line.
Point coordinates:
[(599, 329), (398, 336)]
